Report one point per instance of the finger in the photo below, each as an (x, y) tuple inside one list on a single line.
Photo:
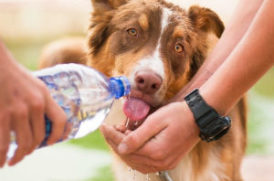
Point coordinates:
[(127, 132), (21, 126), (37, 123), (4, 138), (159, 165), (58, 119), (155, 147), (134, 161), (110, 133), (68, 128), (121, 128), (151, 127)]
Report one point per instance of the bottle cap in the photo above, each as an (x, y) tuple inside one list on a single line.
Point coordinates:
[(119, 86)]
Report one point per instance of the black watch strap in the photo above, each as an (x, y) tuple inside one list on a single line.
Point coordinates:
[(212, 125)]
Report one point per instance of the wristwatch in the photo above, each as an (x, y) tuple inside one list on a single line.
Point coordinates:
[(212, 125)]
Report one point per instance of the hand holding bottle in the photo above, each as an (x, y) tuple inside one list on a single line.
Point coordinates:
[(24, 100)]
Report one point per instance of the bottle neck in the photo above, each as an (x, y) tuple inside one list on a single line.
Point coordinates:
[(119, 86)]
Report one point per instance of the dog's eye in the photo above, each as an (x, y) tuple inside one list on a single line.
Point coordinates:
[(132, 32), (179, 48)]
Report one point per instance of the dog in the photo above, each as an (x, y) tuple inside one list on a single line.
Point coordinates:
[(159, 46)]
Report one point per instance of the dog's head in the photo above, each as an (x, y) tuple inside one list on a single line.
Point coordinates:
[(157, 45)]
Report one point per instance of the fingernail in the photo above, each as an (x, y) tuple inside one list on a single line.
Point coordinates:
[(122, 148)]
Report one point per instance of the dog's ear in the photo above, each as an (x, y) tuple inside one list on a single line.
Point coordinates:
[(106, 5), (206, 20), (102, 14)]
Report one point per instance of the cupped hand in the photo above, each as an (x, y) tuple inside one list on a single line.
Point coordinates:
[(24, 101), (160, 142)]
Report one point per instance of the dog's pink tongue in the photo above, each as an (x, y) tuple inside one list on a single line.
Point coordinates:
[(136, 109)]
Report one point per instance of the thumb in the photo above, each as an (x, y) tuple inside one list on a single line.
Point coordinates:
[(136, 139)]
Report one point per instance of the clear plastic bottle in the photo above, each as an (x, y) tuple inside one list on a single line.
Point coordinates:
[(84, 94)]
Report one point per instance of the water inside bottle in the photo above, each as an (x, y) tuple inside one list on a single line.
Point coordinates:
[(90, 123), (86, 106)]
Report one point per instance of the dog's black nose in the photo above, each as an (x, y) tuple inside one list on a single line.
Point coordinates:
[(147, 81)]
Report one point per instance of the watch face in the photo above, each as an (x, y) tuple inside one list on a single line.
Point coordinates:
[(212, 125), (216, 129)]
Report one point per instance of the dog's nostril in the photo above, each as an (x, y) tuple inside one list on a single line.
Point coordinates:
[(154, 86), (141, 81)]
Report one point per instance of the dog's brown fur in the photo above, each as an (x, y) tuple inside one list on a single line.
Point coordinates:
[(113, 53)]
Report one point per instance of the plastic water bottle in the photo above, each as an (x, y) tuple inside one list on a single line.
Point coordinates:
[(83, 93)]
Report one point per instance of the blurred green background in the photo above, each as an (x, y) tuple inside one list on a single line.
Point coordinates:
[(26, 26)]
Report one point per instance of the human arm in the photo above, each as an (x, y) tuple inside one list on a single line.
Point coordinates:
[(250, 59), (24, 100)]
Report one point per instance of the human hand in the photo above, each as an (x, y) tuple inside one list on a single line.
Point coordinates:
[(24, 100), (160, 142)]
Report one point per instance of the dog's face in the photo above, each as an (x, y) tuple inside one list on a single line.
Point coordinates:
[(157, 45)]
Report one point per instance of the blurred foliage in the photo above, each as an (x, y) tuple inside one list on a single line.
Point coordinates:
[(265, 86), (94, 140), (104, 174), (28, 51)]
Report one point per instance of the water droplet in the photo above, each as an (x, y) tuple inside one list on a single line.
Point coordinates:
[(127, 122), (147, 177), (134, 175)]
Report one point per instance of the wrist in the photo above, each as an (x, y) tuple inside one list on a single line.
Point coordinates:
[(214, 99), (212, 126), (193, 127)]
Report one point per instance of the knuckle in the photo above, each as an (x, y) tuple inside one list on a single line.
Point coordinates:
[(21, 112), (37, 103)]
